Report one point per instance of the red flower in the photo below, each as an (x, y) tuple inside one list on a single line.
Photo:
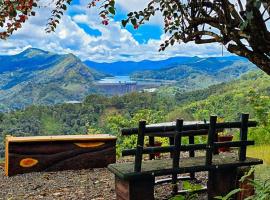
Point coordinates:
[(105, 22), (23, 18)]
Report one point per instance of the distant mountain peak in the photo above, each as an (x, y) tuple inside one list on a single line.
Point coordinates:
[(73, 57), (31, 52)]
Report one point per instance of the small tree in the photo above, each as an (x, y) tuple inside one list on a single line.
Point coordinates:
[(241, 26)]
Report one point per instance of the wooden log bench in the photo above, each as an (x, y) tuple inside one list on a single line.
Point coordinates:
[(136, 180), (55, 153)]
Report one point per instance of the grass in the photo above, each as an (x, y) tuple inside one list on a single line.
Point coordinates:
[(263, 152), (2, 161)]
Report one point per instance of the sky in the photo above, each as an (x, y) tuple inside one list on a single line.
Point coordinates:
[(80, 32)]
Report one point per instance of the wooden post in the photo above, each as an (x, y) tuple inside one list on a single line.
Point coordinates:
[(210, 140), (140, 144), (176, 154), (221, 182), (192, 153), (135, 189), (151, 144), (171, 140), (215, 138), (243, 136)]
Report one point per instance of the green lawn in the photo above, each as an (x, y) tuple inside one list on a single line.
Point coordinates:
[(263, 152)]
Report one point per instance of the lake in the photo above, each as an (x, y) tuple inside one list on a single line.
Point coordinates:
[(116, 79), (127, 79)]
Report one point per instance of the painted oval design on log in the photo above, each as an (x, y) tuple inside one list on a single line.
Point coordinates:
[(28, 162), (89, 144)]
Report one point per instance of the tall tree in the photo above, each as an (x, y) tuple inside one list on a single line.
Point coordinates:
[(242, 26)]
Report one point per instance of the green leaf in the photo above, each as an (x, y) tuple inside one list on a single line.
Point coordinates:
[(249, 15), (178, 197), (64, 7), (257, 4), (231, 193), (124, 22), (134, 21), (111, 10), (130, 14), (112, 3)]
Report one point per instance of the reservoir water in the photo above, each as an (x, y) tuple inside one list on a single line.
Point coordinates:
[(127, 79), (116, 79), (118, 85)]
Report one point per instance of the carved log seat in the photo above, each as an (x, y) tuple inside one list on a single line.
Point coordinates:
[(55, 153)]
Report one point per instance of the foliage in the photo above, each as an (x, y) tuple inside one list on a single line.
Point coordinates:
[(229, 195), (94, 115), (247, 95), (191, 187), (262, 188), (13, 14), (201, 73), (101, 114), (38, 77), (113, 125)]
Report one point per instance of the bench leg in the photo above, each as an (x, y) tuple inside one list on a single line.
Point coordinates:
[(221, 182), (142, 189)]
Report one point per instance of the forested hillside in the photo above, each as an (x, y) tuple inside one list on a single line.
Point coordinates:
[(200, 73), (40, 77), (100, 114)]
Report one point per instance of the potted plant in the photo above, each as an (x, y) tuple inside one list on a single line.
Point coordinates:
[(156, 144), (224, 136)]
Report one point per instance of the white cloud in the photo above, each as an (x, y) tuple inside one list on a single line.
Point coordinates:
[(115, 43), (132, 5)]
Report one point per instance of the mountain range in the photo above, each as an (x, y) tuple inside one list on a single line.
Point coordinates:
[(200, 73), (35, 76), (209, 65)]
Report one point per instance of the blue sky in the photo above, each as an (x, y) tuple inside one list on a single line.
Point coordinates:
[(82, 34)]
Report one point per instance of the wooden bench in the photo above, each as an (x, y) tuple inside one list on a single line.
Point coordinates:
[(55, 153), (134, 181)]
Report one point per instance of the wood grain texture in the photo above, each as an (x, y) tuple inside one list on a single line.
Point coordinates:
[(94, 137), (24, 157), (135, 189), (221, 182), (187, 165)]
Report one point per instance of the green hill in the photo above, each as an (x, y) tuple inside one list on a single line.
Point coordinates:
[(39, 77), (249, 94), (200, 74)]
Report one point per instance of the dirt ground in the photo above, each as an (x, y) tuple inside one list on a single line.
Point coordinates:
[(94, 184)]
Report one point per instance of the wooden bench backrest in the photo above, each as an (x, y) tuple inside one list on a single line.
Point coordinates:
[(180, 130)]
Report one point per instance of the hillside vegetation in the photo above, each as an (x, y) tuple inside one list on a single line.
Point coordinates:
[(100, 114), (199, 74), (39, 77)]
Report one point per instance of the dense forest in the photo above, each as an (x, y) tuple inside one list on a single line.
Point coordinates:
[(101, 114)]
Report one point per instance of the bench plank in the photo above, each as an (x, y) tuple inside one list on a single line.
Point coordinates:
[(187, 165), (102, 137)]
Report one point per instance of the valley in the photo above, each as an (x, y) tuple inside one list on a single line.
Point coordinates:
[(37, 77)]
